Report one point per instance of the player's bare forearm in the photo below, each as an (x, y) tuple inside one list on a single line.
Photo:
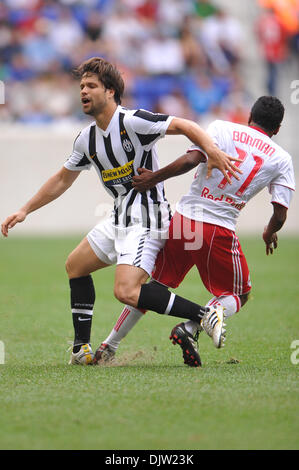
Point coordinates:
[(275, 224), (191, 130), (148, 179), (51, 190), (217, 158)]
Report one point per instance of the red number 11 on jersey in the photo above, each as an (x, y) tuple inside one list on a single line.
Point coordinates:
[(242, 156)]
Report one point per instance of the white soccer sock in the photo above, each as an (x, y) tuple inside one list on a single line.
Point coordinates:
[(231, 303), (191, 327), (126, 321)]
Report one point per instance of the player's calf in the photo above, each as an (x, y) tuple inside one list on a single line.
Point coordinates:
[(156, 297)]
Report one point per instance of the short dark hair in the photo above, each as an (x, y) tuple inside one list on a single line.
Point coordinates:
[(107, 73), (267, 112)]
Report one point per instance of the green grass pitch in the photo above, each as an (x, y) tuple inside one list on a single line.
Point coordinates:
[(244, 397)]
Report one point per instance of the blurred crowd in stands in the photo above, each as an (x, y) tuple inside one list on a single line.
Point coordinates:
[(177, 57)]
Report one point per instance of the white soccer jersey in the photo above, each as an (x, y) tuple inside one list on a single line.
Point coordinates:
[(116, 153), (264, 163)]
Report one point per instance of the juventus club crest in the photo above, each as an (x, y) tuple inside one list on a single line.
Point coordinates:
[(127, 145)]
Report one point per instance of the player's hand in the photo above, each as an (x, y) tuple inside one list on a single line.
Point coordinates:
[(271, 241), (224, 163), (11, 221), (143, 181)]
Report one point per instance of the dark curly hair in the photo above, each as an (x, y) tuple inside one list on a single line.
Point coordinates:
[(107, 73), (267, 112)]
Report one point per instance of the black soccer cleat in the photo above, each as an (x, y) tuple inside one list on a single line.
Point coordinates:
[(104, 354), (188, 343)]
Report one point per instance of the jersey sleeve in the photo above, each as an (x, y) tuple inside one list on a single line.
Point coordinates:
[(282, 186), (78, 160), (213, 131), (149, 127), (281, 195)]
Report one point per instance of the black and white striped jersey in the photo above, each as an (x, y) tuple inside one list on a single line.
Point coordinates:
[(127, 144)]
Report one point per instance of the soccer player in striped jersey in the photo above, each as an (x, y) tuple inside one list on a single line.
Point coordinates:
[(209, 211), (117, 143)]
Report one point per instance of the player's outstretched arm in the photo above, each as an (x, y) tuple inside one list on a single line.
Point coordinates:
[(275, 224), (52, 189), (148, 179), (217, 158)]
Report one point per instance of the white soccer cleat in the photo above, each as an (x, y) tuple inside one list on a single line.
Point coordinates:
[(83, 357), (213, 324)]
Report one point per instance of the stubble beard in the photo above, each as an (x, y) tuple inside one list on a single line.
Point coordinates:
[(96, 110)]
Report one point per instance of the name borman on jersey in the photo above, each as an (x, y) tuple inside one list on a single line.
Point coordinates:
[(247, 139), (127, 144)]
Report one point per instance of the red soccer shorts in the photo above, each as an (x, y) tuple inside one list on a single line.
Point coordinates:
[(214, 250)]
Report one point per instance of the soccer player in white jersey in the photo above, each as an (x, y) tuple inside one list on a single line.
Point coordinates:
[(209, 212), (116, 144)]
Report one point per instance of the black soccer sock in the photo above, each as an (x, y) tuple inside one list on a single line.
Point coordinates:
[(156, 297), (82, 302)]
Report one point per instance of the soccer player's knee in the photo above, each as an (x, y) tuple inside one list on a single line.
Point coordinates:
[(70, 268), (68, 265), (124, 293), (244, 298)]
